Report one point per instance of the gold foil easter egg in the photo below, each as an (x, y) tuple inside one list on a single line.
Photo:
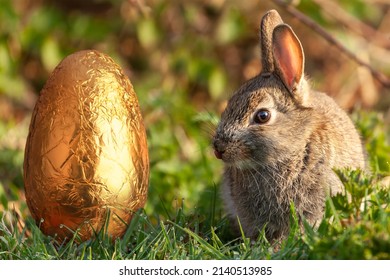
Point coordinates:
[(86, 154)]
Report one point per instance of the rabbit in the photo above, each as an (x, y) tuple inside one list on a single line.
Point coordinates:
[(280, 141)]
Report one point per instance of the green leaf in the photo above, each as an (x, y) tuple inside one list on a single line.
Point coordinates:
[(147, 32), (50, 53)]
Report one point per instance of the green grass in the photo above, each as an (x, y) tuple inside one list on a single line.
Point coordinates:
[(174, 226)]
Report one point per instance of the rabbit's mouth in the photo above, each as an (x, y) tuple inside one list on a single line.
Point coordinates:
[(218, 154), (233, 159), (222, 154), (233, 153)]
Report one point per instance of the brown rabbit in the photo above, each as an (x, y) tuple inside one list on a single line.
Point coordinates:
[(280, 140)]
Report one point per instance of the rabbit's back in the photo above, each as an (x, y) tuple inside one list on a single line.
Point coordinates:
[(345, 142)]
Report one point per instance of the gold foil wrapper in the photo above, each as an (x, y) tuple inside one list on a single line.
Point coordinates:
[(86, 152)]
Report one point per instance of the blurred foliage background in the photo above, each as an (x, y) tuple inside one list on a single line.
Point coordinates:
[(184, 58)]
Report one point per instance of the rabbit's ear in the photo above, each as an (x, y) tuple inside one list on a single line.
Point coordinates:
[(288, 56), (269, 21)]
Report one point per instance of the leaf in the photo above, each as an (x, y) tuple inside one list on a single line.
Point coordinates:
[(147, 32), (50, 53)]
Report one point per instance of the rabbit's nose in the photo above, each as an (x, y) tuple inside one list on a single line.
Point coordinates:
[(219, 148)]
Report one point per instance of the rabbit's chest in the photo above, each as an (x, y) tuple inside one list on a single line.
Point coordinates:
[(262, 198)]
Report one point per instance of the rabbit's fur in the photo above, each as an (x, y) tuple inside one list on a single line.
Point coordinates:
[(290, 157)]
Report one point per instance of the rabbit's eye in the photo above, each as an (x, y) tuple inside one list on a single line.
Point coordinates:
[(262, 116)]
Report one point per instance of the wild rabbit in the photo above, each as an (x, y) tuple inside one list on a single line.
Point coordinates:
[(280, 141)]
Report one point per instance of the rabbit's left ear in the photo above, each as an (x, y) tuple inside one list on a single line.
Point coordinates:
[(288, 56)]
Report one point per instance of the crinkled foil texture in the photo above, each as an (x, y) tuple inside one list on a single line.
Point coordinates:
[(86, 153)]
